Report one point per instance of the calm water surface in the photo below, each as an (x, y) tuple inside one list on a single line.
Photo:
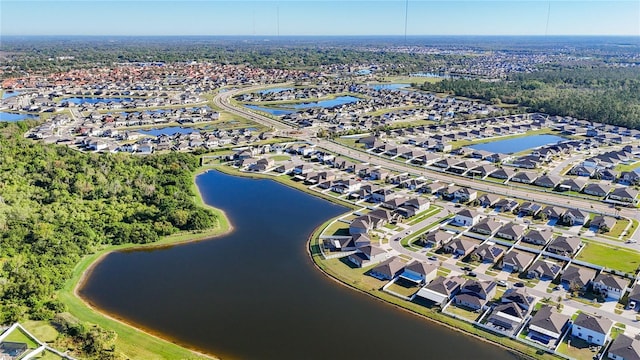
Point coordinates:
[(92, 100), (510, 146), (272, 111), (254, 294), (11, 117), (169, 130), (388, 86)]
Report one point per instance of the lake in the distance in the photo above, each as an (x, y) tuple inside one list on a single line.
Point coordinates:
[(514, 145), (255, 294), (274, 90), (169, 130), (94, 100), (389, 86), (12, 117), (272, 111), (340, 100)]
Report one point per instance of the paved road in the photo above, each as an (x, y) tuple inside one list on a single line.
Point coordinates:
[(222, 100)]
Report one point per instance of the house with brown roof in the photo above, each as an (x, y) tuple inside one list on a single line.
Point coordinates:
[(488, 200), (596, 189), (461, 247), (388, 269), (577, 277), (367, 256), (487, 252), (516, 261), (575, 217), (563, 245), (603, 223), (547, 324), (419, 272), (487, 226), (511, 231), (624, 347), (592, 329), (475, 294), (441, 289), (525, 177), (611, 286), (436, 239), (544, 270), (538, 236), (467, 217), (548, 181)]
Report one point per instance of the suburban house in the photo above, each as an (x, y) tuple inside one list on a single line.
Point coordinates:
[(506, 205), (518, 297), (441, 289), (464, 195), (367, 255), (467, 217), (624, 194), (511, 231), (516, 261), (365, 223), (388, 269), (548, 181), (604, 223), (576, 184), (436, 239), (529, 208), (577, 277), (488, 200), (525, 177), (382, 195), (553, 212), (507, 316), (592, 329), (596, 189), (563, 245), (634, 294), (573, 217), (612, 287), (487, 253), (504, 174), (420, 272), (544, 270), (462, 247), (547, 324), (475, 294), (486, 226), (538, 237), (624, 348)]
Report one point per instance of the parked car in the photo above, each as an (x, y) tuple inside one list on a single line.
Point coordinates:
[(472, 274), (518, 284), (502, 283), (632, 305)]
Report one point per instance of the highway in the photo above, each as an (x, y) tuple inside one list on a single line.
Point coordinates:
[(222, 101)]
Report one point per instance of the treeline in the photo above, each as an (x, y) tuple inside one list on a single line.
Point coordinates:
[(58, 204), (608, 95)]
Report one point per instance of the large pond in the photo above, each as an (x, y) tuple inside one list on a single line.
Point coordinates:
[(274, 90), (255, 294), (169, 130), (514, 145), (340, 100), (389, 86), (272, 111), (95, 100), (11, 117), (9, 94)]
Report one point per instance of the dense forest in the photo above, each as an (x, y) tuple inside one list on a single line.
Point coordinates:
[(58, 204), (608, 95)]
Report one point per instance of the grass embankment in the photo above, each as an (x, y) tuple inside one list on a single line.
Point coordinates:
[(627, 167), (611, 257), (355, 278), (134, 343)]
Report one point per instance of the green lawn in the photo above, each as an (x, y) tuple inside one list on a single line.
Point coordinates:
[(403, 287), (628, 167), (47, 355), (611, 257), (618, 228), (281, 157), (41, 330), (462, 312), (19, 336), (578, 349)]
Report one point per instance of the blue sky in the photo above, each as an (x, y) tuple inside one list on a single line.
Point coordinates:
[(309, 17)]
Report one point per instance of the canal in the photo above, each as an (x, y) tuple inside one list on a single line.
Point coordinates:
[(255, 294)]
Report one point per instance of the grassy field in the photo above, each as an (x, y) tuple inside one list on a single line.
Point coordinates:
[(610, 257), (18, 335), (627, 167), (618, 228)]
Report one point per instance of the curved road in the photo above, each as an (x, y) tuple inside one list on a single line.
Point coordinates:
[(222, 101)]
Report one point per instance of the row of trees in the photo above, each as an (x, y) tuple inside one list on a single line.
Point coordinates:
[(608, 95), (58, 204)]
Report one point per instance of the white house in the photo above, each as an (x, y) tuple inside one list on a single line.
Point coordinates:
[(467, 217), (592, 329), (613, 287)]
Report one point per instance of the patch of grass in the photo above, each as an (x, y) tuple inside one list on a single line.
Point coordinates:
[(17, 335), (610, 257), (463, 312), (577, 348), (41, 330), (627, 167), (620, 225), (281, 157), (403, 287)]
